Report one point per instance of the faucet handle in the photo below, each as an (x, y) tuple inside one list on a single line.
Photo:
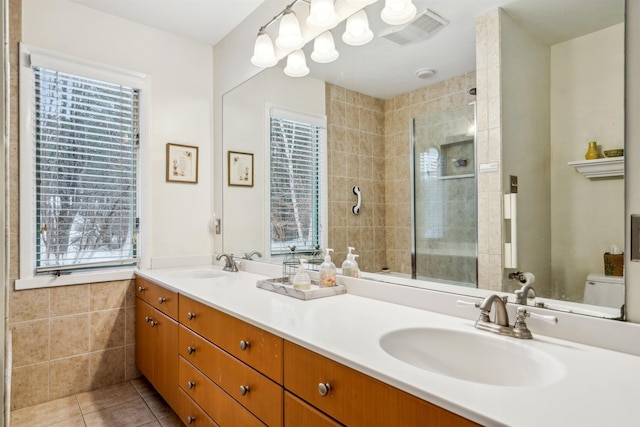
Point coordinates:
[(552, 320), (461, 303)]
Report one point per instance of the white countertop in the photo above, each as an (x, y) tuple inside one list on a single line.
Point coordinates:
[(598, 387)]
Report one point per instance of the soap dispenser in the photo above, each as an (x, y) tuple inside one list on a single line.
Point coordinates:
[(327, 271), (301, 280), (350, 265)]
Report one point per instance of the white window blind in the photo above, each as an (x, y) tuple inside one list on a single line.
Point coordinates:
[(86, 166), (295, 178)]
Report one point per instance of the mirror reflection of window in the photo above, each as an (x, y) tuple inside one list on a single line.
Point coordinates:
[(431, 215)]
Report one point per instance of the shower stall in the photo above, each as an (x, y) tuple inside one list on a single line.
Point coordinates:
[(444, 196)]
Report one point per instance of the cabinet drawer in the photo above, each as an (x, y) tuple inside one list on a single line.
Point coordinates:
[(254, 346), (212, 399), (161, 298), (299, 413), (356, 399), (191, 414), (251, 389)]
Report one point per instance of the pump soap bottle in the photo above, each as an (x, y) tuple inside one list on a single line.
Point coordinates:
[(350, 265), (327, 271), (301, 280)]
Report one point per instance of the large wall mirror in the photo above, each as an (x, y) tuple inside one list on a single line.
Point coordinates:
[(547, 78)]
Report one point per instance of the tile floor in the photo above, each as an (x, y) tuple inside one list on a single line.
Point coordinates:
[(131, 404)]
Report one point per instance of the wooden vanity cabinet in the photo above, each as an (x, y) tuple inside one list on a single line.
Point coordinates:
[(157, 338), (355, 399), (299, 413)]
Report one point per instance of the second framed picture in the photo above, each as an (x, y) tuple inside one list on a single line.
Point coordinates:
[(240, 167)]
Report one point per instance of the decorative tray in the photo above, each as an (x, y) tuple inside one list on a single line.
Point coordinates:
[(280, 285)]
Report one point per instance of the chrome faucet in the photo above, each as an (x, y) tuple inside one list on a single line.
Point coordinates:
[(229, 262), (250, 255), (501, 324)]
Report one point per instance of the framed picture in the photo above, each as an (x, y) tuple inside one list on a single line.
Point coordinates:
[(240, 167), (182, 163)]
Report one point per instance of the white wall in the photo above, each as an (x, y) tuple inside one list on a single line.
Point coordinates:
[(587, 104), (181, 110), (245, 130), (525, 144)]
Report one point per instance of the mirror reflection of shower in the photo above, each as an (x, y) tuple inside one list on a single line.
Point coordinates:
[(444, 196)]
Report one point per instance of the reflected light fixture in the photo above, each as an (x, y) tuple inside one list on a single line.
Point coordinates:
[(263, 52), (296, 64), (361, 3), (398, 12), (322, 15), (324, 49), (357, 31), (289, 36)]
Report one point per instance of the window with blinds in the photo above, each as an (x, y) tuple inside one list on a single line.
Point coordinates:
[(86, 166), (295, 178)]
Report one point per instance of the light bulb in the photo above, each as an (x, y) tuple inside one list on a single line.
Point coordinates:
[(324, 49), (263, 53), (296, 64), (322, 15), (398, 12), (357, 30), (289, 37)]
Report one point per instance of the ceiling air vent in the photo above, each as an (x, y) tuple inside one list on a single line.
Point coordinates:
[(420, 28)]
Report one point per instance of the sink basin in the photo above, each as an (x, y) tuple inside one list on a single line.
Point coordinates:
[(477, 357), (198, 274)]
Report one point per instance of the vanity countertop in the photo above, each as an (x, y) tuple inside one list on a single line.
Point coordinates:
[(597, 387)]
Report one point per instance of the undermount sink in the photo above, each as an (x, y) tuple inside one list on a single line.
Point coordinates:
[(198, 274), (477, 357)]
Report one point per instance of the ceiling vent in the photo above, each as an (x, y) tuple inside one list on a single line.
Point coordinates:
[(424, 25)]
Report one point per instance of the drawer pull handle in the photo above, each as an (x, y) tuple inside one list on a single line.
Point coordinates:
[(191, 384), (324, 389), (244, 389), (191, 315), (162, 300), (190, 419), (153, 323), (147, 319), (191, 350), (141, 289), (244, 345)]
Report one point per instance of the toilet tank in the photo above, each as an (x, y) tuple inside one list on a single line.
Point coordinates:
[(607, 291)]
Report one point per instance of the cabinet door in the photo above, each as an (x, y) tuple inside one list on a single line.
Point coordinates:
[(298, 413), (144, 340), (356, 399), (159, 297), (166, 360)]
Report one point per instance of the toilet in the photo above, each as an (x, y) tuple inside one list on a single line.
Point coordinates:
[(607, 291)]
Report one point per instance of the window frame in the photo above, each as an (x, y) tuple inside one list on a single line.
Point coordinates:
[(272, 110), (60, 62)]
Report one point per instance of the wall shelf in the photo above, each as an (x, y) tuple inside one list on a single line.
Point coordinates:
[(610, 167)]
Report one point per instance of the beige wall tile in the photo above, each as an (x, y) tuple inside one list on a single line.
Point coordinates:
[(130, 297), (107, 367), (70, 335), (29, 385), (130, 326), (69, 376), (107, 329), (108, 295), (30, 342), (29, 304), (67, 300), (130, 369)]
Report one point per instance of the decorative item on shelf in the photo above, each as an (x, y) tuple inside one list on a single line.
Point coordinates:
[(290, 264), (617, 152), (316, 258), (592, 152), (614, 262)]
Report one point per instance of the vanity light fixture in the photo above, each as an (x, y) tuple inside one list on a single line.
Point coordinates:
[(357, 31), (398, 12), (324, 49), (296, 64), (263, 52), (289, 36), (322, 15)]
